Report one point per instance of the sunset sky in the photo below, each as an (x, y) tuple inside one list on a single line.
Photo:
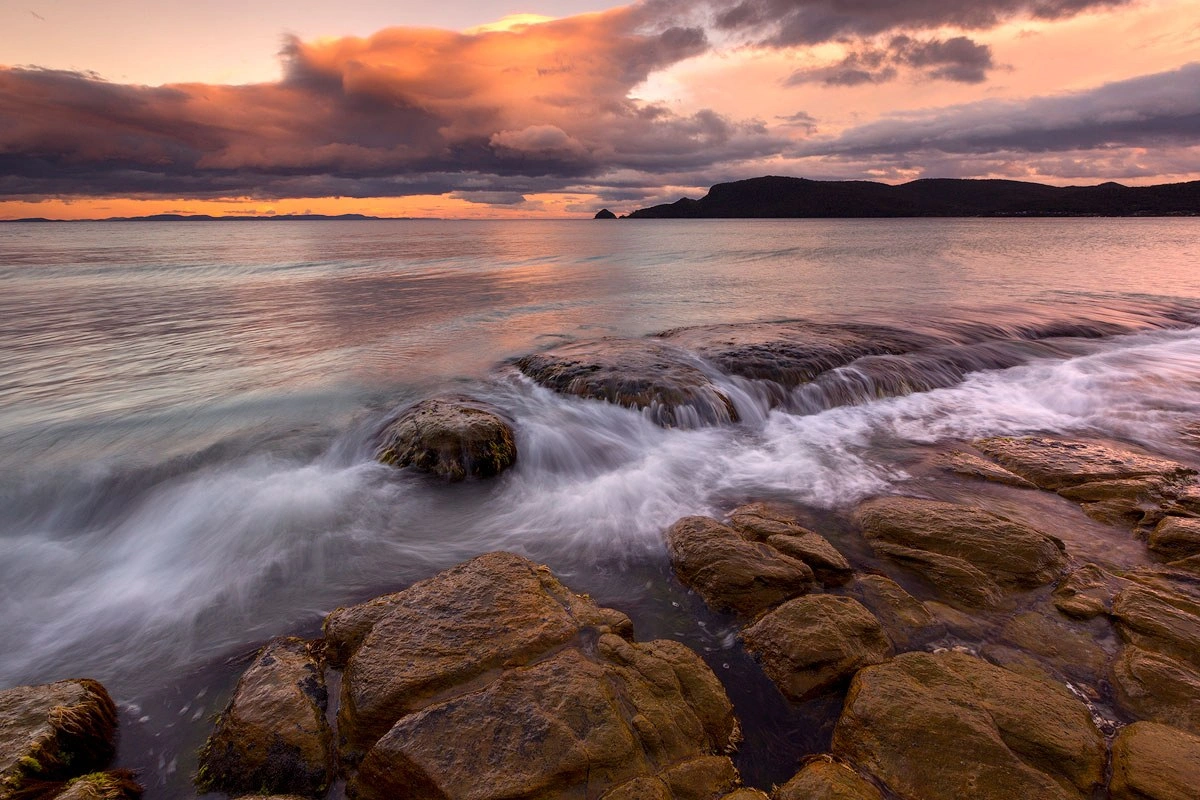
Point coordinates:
[(556, 109)]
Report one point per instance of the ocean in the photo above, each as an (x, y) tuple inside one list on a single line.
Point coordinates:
[(188, 413)]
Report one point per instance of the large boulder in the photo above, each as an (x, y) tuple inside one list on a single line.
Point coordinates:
[(492, 680), (273, 735), (451, 437), (759, 522), (1155, 762), (665, 382), (54, 732), (1056, 464), (823, 778), (1157, 687), (970, 555), (814, 643), (947, 726), (730, 572)]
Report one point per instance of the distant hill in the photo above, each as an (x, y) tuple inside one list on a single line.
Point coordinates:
[(780, 197), (210, 218)]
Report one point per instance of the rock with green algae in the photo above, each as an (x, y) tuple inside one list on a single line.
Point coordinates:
[(54, 732), (947, 726), (451, 437), (112, 785), (273, 735), (1155, 762)]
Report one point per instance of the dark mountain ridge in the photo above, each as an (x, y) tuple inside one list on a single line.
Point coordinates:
[(774, 196)]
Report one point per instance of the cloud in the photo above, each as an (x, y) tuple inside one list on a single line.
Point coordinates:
[(1149, 111), (514, 108), (957, 59)]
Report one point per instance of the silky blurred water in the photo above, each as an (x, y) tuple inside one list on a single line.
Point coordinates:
[(187, 412)]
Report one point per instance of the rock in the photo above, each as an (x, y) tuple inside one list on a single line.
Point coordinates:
[(662, 380), (1069, 651), (758, 522), (904, 618), (948, 726), (1176, 537), (972, 466), (569, 725), (746, 794), (273, 736), (1155, 762), (451, 437), (494, 611), (814, 643), (823, 778), (1056, 464), (1157, 687), (791, 353), (54, 732), (1087, 592), (731, 573), (970, 555), (113, 785), (604, 213), (1159, 621)]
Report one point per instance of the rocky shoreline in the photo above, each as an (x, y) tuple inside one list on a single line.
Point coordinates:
[(972, 652)]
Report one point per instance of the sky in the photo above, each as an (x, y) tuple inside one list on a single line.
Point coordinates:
[(556, 109)]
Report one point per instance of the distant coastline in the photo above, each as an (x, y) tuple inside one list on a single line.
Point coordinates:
[(210, 218), (776, 197)]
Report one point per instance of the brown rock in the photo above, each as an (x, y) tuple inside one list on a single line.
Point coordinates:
[(1056, 464), (814, 643), (1087, 592), (1176, 537), (646, 374), (112, 785), (746, 794), (53, 732), (759, 522), (451, 437), (904, 618), (273, 735), (495, 611), (1159, 621), (1157, 687), (1155, 762), (730, 572), (824, 778), (948, 726), (970, 555), (972, 466), (1065, 648)]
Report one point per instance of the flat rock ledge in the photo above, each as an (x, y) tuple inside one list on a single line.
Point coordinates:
[(451, 437), (55, 741)]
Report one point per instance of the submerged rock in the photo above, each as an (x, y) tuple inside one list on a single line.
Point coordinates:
[(970, 555), (905, 619), (1155, 762), (948, 726), (273, 735), (823, 778), (663, 381), (730, 572), (453, 438), (54, 732), (759, 522), (492, 680), (815, 643)]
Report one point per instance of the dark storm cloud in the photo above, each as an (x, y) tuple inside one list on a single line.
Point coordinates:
[(958, 59), (544, 104), (1149, 111)]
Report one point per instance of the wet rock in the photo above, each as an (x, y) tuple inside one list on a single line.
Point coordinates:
[(1157, 687), (451, 437), (972, 466), (746, 794), (904, 618), (644, 374), (730, 572), (759, 522), (791, 353), (54, 732), (492, 612), (814, 643), (1065, 649), (1087, 592), (970, 555), (1176, 538), (113, 785), (1159, 621), (273, 735), (947, 726), (823, 778), (1056, 464), (1155, 762)]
